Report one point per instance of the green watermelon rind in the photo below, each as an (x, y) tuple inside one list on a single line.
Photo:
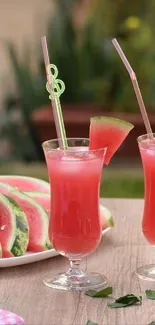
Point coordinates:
[(44, 241), (112, 121), (7, 187), (34, 194), (18, 242), (107, 216), (38, 181), (22, 230)]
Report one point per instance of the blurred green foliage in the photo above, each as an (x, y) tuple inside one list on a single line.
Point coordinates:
[(87, 60)]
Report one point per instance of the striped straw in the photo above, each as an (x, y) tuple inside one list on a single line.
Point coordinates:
[(135, 86)]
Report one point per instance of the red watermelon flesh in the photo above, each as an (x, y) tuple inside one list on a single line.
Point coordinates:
[(108, 132), (42, 198), (24, 183)]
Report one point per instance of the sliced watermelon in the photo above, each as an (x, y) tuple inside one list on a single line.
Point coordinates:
[(35, 212), (106, 218), (14, 229), (0, 250), (38, 221), (24, 183), (108, 132), (42, 198)]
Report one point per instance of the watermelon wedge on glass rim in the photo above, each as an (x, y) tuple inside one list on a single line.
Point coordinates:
[(108, 132)]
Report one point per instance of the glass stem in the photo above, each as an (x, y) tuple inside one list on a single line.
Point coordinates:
[(74, 274), (74, 264)]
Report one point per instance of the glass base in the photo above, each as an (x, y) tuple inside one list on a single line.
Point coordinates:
[(146, 272), (83, 281)]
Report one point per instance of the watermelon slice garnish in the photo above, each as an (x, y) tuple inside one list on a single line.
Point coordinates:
[(25, 183), (14, 229), (108, 132), (106, 218)]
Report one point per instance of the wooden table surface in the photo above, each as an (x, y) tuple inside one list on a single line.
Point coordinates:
[(121, 250)]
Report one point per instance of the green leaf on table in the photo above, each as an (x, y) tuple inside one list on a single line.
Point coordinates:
[(99, 294), (152, 323), (126, 301), (91, 323), (150, 294)]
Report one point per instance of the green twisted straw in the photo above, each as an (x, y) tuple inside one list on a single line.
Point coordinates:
[(55, 87), (58, 89)]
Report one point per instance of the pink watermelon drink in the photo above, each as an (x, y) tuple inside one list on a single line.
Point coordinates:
[(75, 228), (75, 174), (147, 151)]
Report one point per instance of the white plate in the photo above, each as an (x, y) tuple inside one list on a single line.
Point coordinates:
[(31, 257)]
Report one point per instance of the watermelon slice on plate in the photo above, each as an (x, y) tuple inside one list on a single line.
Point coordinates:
[(108, 132), (42, 198), (24, 183), (37, 217), (106, 218), (38, 221), (14, 229)]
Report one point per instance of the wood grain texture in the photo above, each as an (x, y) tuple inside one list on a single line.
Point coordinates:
[(120, 252)]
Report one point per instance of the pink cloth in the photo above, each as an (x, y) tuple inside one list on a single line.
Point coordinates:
[(8, 318)]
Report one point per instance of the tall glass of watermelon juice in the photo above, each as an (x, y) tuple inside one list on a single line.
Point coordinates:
[(147, 152), (74, 228)]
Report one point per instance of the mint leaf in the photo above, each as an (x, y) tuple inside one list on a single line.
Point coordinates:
[(99, 294), (91, 323), (126, 301), (152, 323), (150, 294)]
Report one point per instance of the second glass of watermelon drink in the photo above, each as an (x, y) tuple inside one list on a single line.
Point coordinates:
[(147, 152), (74, 229)]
